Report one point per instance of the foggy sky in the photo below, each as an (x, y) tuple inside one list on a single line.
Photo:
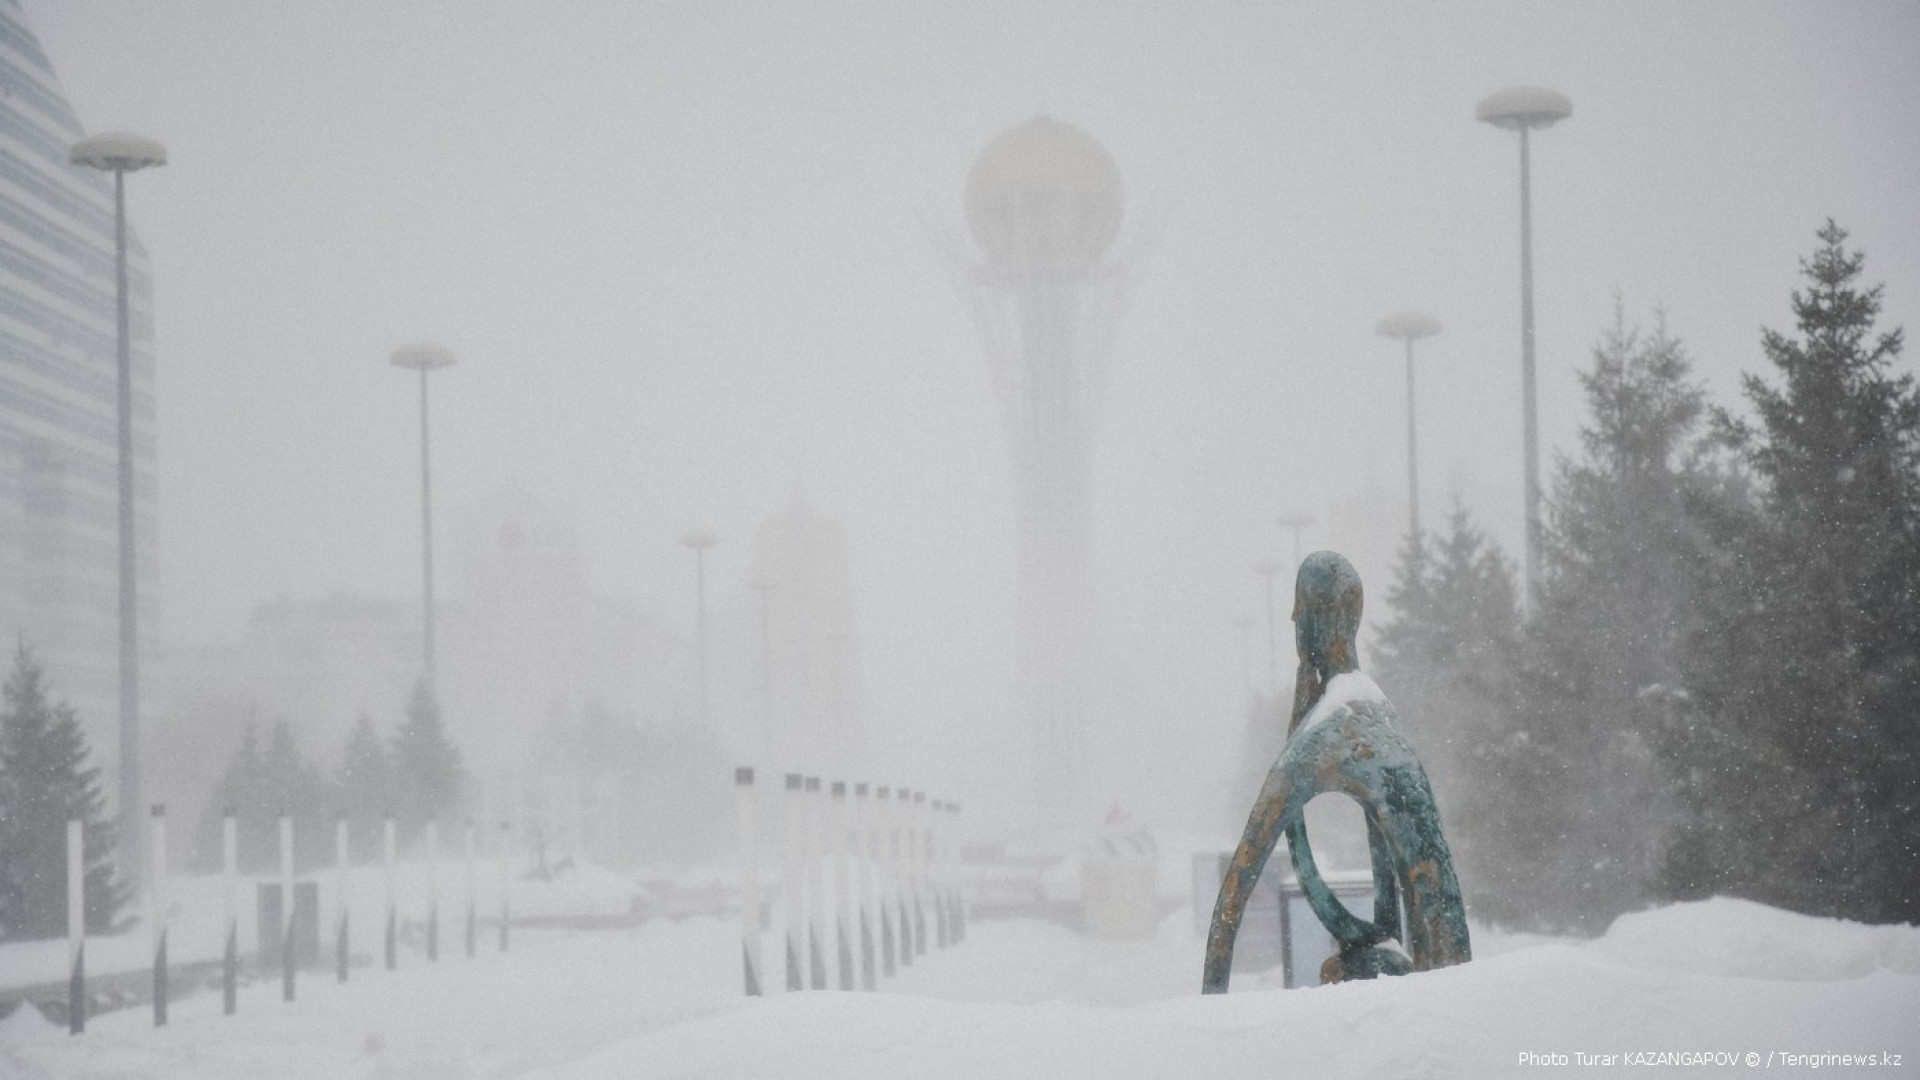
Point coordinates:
[(681, 252)]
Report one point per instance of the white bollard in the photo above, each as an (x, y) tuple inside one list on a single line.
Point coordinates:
[(883, 877), (433, 890), (230, 884), (286, 908), (473, 894), (76, 928), (840, 848), (157, 911), (816, 889), (886, 884), (341, 946), (957, 895), (863, 886), (937, 872), (898, 868), (505, 860), (917, 869), (389, 849), (749, 884), (792, 887)]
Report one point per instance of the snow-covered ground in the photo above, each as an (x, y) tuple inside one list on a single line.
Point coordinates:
[(1031, 999)]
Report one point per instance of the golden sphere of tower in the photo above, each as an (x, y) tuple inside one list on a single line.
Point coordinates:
[(1044, 197)]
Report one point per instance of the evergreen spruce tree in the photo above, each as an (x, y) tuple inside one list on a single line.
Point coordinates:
[(1603, 659), (45, 781), (261, 784), (293, 786), (363, 783), (427, 775), (243, 787), (1444, 661), (1817, 612)]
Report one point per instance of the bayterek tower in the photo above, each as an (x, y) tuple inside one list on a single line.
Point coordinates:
[(1043, 203)]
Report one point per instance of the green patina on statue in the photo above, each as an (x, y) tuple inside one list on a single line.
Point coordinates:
[(1343, 737)]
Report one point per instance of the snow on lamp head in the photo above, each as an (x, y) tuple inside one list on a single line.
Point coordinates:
[(1524, 107), (1044, 197), (117, 151)]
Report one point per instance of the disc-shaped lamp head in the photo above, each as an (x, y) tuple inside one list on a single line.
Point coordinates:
[(422, 357), (117, 151), (1524, 107)]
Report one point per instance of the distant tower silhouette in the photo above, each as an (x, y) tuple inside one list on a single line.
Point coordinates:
[(1043, 203)]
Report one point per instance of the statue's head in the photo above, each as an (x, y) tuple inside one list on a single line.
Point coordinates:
[(1326, 613)]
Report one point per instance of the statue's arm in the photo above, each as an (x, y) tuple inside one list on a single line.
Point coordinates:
[(1256, 844)]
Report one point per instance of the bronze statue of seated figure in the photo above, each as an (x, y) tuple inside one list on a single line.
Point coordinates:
[(1344, 737)]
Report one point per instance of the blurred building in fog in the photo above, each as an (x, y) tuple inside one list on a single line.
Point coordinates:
[(525, 644), (59, 450), (1043, 204)]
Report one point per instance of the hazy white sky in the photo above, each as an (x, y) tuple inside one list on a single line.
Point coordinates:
[(679, 249)]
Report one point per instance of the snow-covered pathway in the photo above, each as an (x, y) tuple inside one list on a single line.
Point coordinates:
[(1026, 999)]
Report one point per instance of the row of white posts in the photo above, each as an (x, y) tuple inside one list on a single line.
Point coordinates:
[(895, 871), (157, 908)]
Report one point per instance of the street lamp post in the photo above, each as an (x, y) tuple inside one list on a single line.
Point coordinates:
[(1244, 624), (1270, 569), (765, 586), (1410, 327), (1521, 109), (424, 358), (120, 153), (700, 540), (1294, 523)]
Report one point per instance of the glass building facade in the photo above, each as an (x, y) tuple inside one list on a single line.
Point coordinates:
[(59, 531)]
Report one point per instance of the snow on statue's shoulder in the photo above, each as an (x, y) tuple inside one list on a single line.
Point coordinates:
[(1344, 690)]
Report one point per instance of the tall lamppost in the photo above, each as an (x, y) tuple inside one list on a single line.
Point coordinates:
[(700, 540), (765, 587), (1270, 569), (1521, 109), (120, 153), (1244, 624), (1410, 327), (423, 358), (1294, 523)]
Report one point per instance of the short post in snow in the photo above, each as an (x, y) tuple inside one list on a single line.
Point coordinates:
[(157, 911), (937, 869), (918, 870), (863, 889), (342, 949), (749, 884), (433, 890), (958, 894), (816, 891), (230, 885), (473, 895), (903, 870), (76, 928), (792, 886), (286, 908), (842, 853), (505, 861), (389, 849), (888, 883)]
